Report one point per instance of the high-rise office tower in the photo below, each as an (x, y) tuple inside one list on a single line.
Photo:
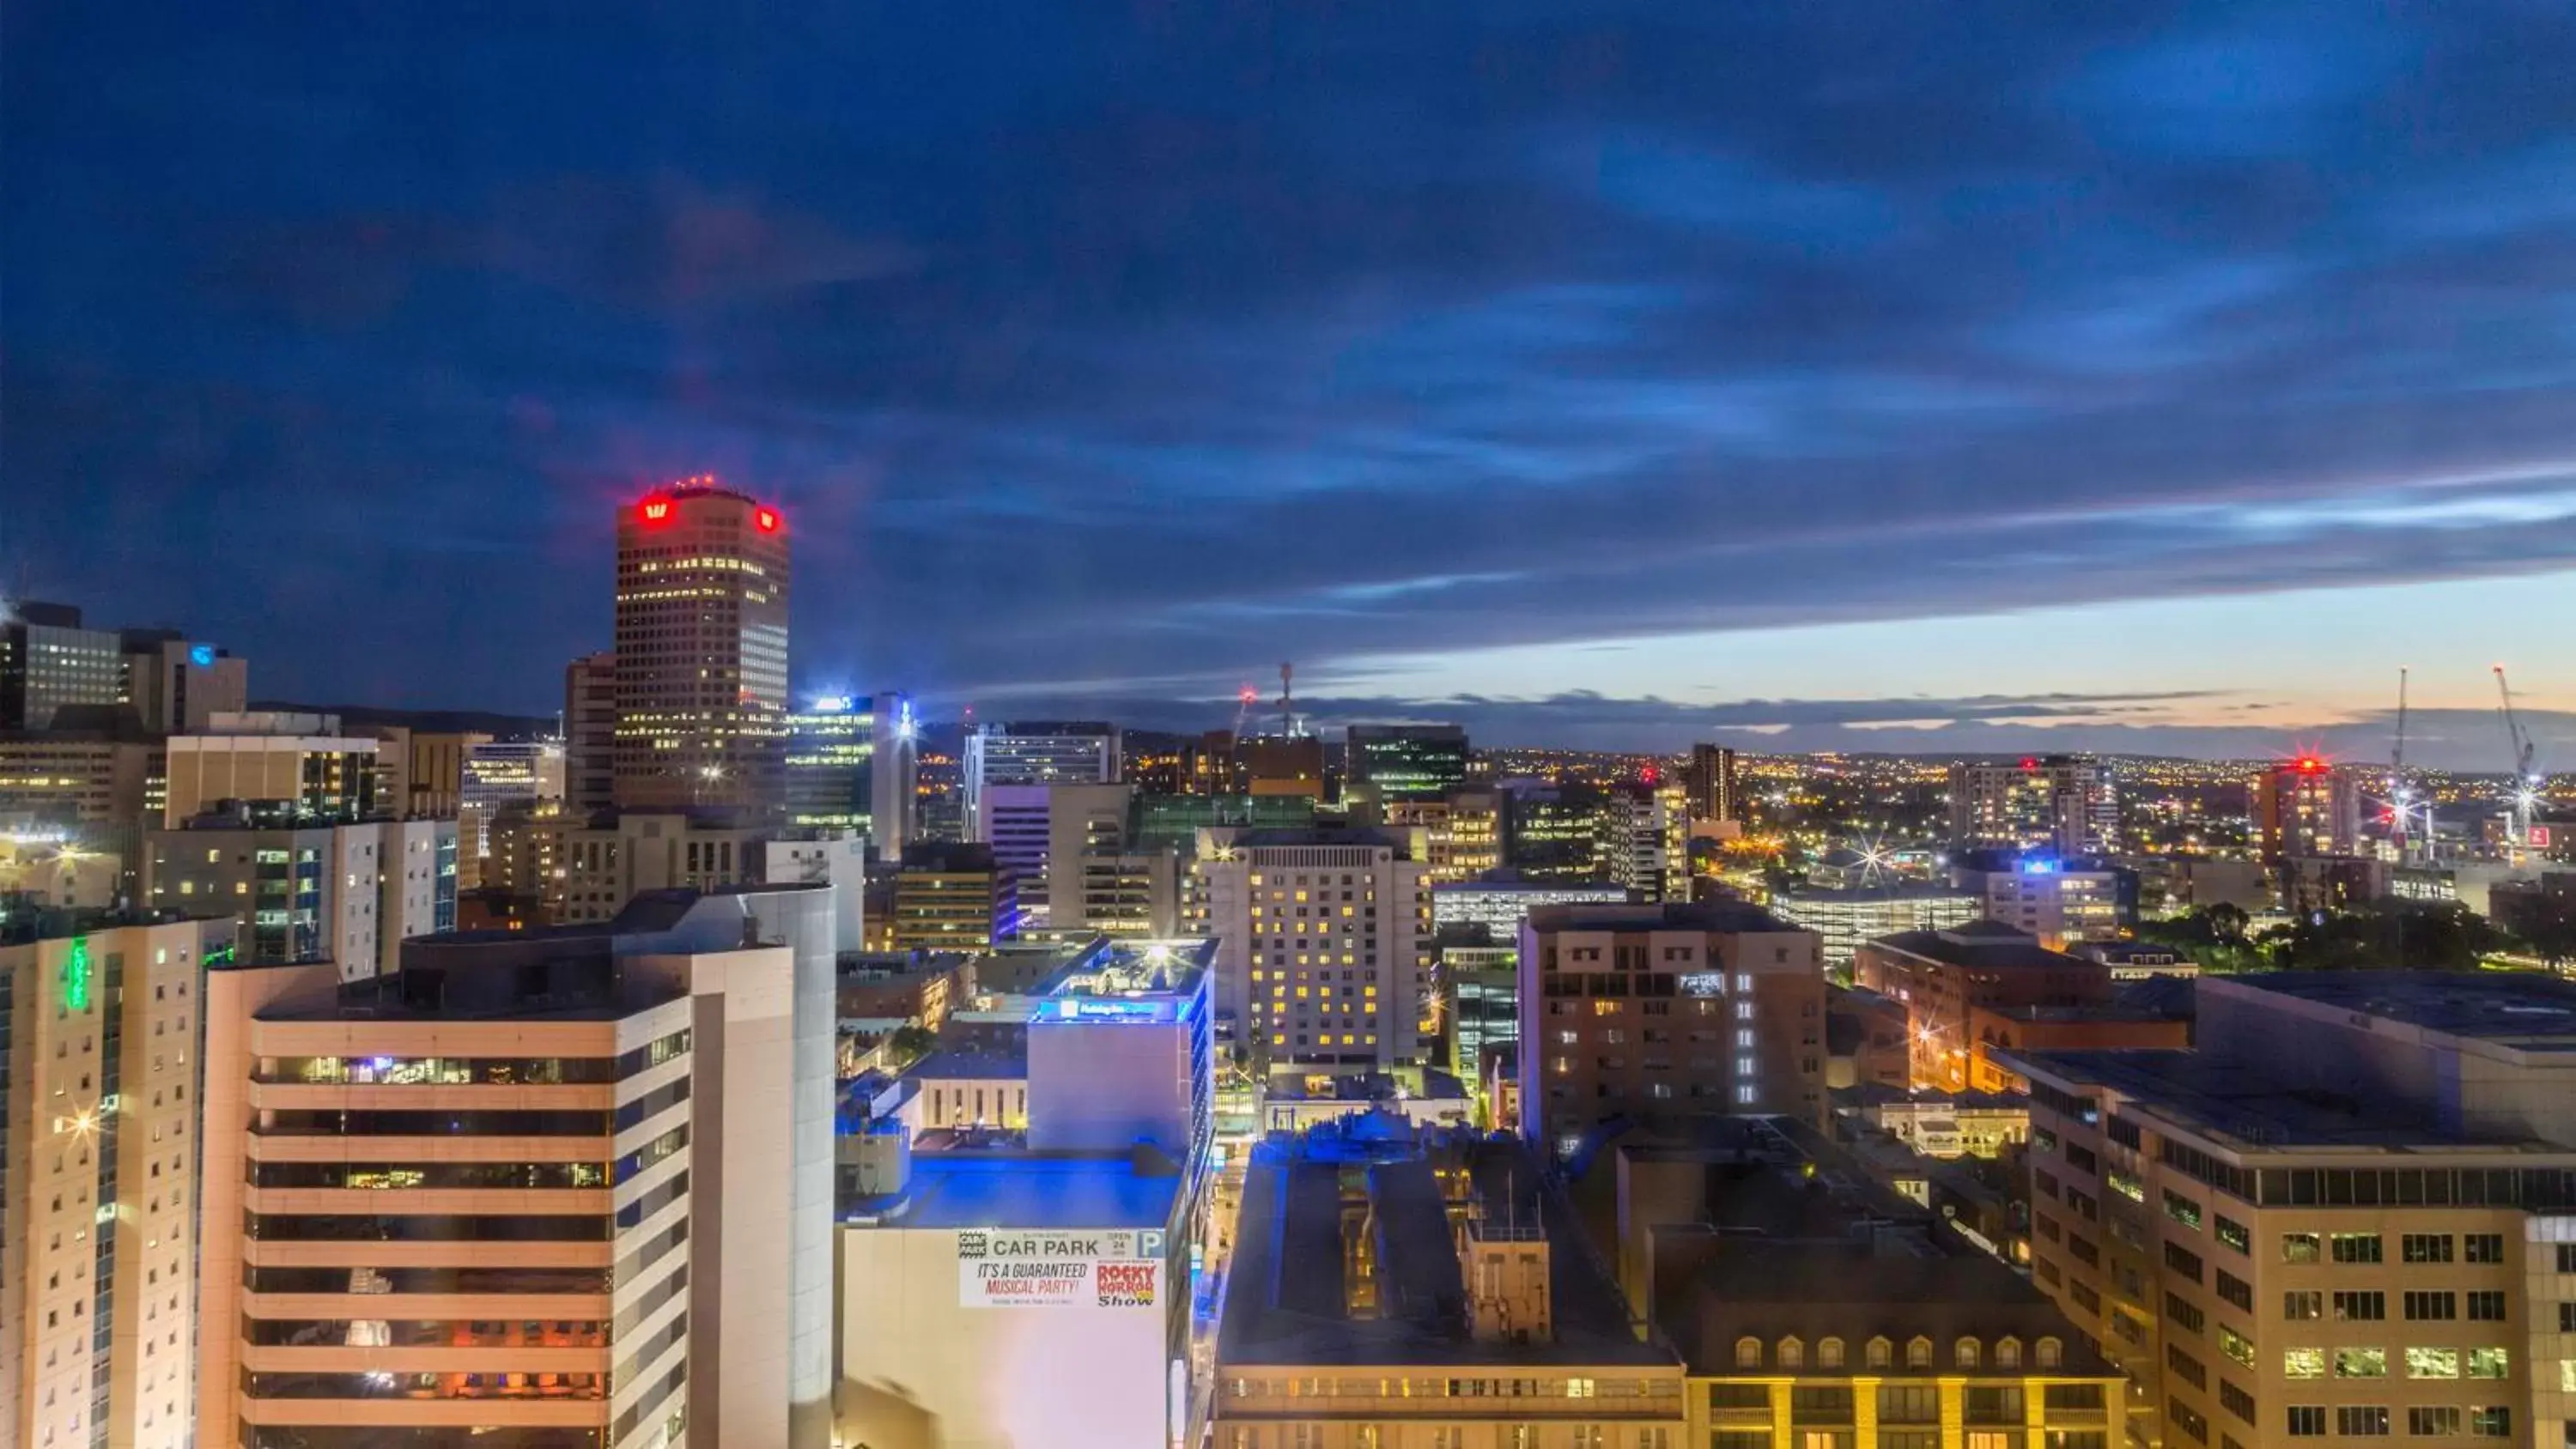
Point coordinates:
[(289, 769), (1710, 784), (590, 733), (2056, 803), (1325, 954), (1396, 762), (553, 1187), (1041, 833), (98, 1226), (177, 686), (1461, 831), (894, 776), (2307, 806), (1051, 753), (950, 897), (1659, 1014), (48, 660), (831, 749), (702, 579)]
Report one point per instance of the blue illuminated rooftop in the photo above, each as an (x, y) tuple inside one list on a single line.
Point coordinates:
[(1016, 1189)]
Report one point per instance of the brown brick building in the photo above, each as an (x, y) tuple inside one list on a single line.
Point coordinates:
[(1943, 976), (1660, 1014)]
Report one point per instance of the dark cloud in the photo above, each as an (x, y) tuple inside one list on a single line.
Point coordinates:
[(1091, 345)]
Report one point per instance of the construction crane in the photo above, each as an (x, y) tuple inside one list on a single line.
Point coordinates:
[(2400, 801), (2524, 785), (1244, 700)]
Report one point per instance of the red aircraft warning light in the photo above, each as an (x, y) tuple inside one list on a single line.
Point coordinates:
[(2310, 764)]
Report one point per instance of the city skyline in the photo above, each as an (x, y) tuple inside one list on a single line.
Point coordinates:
[(2166, 379)]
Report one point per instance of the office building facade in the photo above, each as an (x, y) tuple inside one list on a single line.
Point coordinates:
[(590, 733), (290, 769), (1034, 753), (345, 894), (1405, 762), (701, 651), (953, 898), (2345, 1217), (49, 661), (1040, 832), (1846, 916)]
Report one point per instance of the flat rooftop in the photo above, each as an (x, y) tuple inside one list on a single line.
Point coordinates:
[(1861, 895), (962, 1065), (1880, 1094), (2524, 1008), (1012, 1188), (1719, 1288), (2244, 1106), (1288, 1299), (1727, 917), (1986, 946), (1110, 968)]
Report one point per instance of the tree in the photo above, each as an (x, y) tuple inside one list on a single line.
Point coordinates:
[(2213, 936), (909, 1044), (2386, 935), (2546, 923)]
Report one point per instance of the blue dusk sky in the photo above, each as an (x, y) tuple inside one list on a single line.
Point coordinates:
[(1892, 375)]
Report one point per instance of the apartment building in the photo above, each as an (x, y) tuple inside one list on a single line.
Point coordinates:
[(98, 1227), (552, 1187), (1657, 1015), (2345, 1216), (1942, 976)]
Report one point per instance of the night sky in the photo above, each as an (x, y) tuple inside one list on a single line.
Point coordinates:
[(1598, 374)]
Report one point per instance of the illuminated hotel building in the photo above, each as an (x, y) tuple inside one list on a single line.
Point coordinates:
[(550, 1188), (702, 582), (1324, 945), (98, 1235)]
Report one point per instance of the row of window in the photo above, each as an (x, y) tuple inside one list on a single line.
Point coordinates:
[(1880, 1352), (2420, 1305), (2412, 1247), (2372, 1363), (2365, 1421)]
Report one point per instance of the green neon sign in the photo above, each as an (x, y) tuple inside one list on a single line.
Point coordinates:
[(76, 975)]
